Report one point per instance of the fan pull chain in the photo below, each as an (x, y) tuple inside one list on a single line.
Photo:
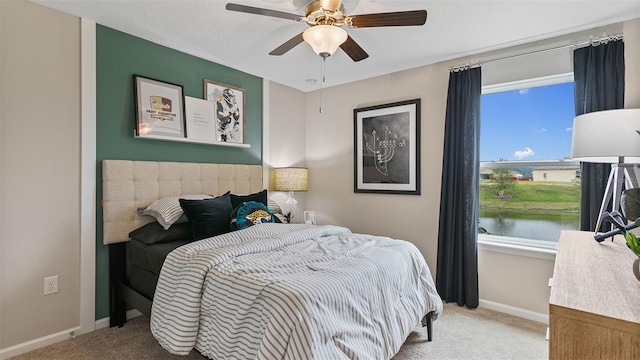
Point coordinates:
[(322, 70)]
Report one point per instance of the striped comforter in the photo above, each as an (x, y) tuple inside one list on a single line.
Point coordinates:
[(278, 291)]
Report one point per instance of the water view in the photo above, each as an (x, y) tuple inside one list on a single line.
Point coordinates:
[(529, 225), (529, 186)]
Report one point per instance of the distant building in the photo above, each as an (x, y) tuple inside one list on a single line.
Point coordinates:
[(565, 170), (486, 173), (557, 173)]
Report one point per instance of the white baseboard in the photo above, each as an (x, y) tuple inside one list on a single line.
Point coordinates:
[(54, 338), (511, 310), (37, 343)]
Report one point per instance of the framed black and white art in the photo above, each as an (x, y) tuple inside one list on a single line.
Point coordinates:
[(387, 148)]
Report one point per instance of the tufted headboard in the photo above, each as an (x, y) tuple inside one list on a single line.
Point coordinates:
[(128, 185)]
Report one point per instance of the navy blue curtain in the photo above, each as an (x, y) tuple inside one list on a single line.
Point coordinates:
[(599, 85), (457, 268)]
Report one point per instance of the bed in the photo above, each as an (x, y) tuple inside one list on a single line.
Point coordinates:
[(264, 291)]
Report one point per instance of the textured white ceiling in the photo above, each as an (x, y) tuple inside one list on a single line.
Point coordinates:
[(243, 41)]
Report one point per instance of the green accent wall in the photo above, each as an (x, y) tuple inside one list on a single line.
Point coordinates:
[(118, 57)]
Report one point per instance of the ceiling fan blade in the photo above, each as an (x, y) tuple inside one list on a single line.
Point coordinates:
[(400, 18), (355, 52), (290, 44), (261, 11), (331, 5)]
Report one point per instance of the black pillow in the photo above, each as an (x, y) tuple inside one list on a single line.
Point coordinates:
[(153, 232), (209, 217), (237, 200)]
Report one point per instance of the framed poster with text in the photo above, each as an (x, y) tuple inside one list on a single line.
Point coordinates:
[(159, 108)]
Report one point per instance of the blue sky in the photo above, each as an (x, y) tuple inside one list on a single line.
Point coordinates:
[(529, 124)]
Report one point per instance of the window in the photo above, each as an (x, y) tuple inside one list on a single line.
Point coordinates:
[(529, 187)]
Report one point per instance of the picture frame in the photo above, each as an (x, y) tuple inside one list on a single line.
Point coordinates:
[(387, 148), (229, 113), (159, 108), (310, 217)]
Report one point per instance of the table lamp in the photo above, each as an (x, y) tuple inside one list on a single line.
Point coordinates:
[(291, 179), (609, 136)]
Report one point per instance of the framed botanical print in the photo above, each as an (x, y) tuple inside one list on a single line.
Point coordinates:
[(159, 108), (229, 113), (387, 148)]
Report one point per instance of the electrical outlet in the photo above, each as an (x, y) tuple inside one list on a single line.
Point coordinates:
[(51, 285)]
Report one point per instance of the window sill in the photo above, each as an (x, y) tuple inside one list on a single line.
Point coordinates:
[(516, 246)]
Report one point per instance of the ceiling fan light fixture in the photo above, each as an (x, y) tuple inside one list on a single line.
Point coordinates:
[(325, 39)]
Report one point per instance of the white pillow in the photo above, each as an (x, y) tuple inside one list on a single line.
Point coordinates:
[(274, 207), (167, 211)]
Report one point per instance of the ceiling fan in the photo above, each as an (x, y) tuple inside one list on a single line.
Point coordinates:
[(326, 19)]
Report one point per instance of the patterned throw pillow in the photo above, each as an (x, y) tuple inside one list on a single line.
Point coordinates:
[(250, 213)]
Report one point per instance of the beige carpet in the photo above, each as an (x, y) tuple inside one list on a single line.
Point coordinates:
[(459, 333)]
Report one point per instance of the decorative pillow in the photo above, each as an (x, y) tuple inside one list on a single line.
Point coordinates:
[(209, 217), (237, 200), (250, 213), (276, 211), (167, 211), (274, 207), (153, 232)]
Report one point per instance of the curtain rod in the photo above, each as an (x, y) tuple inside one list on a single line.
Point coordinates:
[(592, 42)]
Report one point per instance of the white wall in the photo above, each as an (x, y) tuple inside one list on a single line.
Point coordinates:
[(515, 281), (285, 140), (330, 158), (40, 176)]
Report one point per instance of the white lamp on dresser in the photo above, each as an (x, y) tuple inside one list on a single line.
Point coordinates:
[(610, 136)]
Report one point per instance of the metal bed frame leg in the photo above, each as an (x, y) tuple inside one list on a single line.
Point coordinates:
[(427, 321)]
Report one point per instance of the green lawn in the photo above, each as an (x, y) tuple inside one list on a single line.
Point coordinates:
[(532, 195)]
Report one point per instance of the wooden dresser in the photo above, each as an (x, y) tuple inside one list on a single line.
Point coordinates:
[(594, 307)]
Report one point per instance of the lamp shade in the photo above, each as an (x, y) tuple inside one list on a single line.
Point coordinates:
[(324, 39), (610, 136), (291, 179)]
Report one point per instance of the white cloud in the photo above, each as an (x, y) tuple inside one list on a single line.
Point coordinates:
[(542, 130), (523, 154), (569, 129), (524, 91)]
